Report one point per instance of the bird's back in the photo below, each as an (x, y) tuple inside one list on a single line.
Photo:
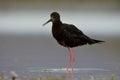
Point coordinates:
[(70, 36)]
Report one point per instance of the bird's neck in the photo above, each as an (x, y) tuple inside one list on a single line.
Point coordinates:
[(56, 28), (57, 23)]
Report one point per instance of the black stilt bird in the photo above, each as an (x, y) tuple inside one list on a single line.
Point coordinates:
[(69, 36)]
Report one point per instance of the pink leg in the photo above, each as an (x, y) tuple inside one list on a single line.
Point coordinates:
[(73, 62), (69, 61)]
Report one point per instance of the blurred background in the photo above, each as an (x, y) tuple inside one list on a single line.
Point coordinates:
[(25, 43)]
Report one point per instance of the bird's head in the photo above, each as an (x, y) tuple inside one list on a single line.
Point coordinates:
[(53, 17)]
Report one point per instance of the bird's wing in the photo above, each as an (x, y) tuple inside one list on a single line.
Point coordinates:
[(72, 29), (72, 32)]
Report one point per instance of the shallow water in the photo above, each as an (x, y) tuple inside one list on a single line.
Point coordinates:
[(31, 55)]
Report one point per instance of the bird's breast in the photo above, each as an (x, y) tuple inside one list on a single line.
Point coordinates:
[(58, 35)]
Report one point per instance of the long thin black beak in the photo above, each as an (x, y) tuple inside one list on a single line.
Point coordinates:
[(47, 22)]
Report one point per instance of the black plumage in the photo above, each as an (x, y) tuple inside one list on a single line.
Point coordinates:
[(68, 35)]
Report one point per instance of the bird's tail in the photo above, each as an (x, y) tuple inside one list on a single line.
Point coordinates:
[(93, 41)]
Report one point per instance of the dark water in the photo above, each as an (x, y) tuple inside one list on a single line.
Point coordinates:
[(31, 55)]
